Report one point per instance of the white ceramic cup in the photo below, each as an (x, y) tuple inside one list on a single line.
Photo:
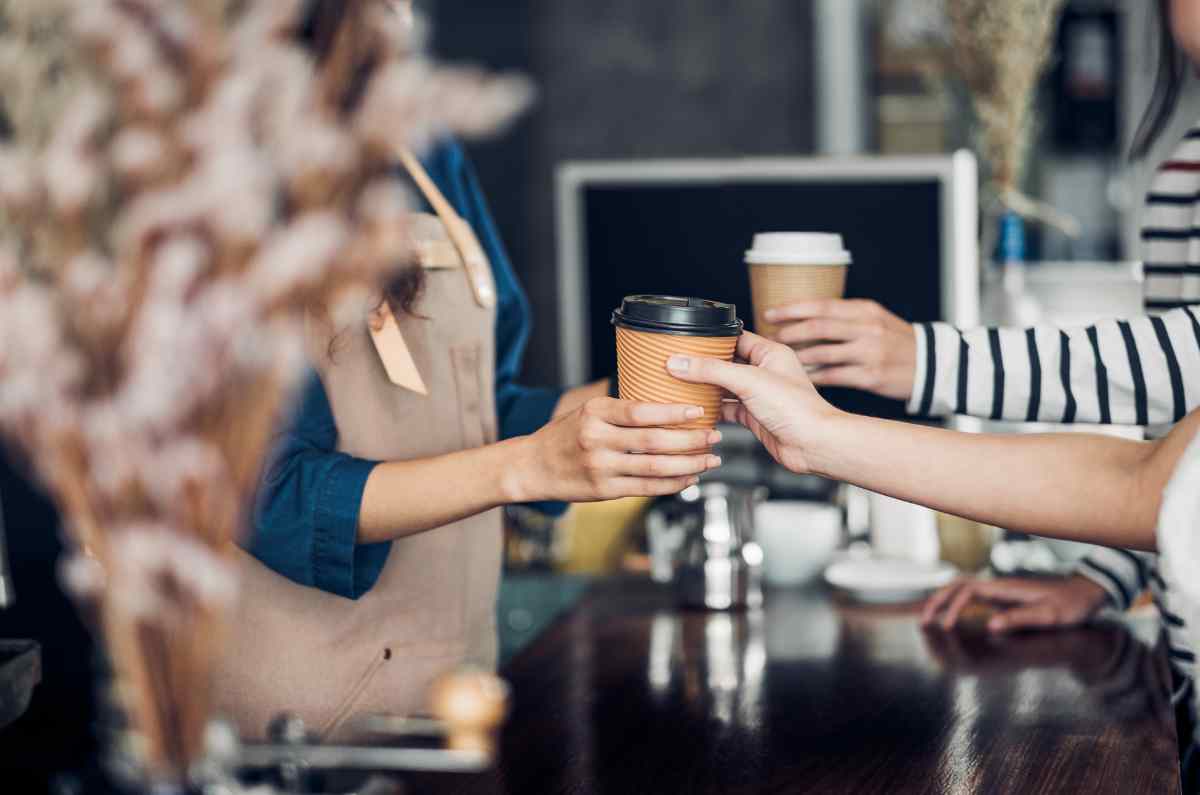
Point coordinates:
[(798, 539), (903, 530)]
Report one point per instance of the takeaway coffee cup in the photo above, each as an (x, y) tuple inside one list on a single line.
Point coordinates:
[(653, 328), (786, 267)]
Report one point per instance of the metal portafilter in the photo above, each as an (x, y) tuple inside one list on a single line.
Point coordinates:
[(468, 709)]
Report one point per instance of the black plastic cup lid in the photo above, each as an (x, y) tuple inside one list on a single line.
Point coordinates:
[(668, 314)]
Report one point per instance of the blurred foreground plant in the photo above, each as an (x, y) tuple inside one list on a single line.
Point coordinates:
[(186, 179)]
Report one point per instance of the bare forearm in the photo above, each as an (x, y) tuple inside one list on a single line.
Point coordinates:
[(587, 454), (403, 498), (1073, 486), (1087, 488)]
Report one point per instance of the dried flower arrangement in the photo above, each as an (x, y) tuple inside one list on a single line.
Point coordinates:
[(1000, 51), (185, 181)]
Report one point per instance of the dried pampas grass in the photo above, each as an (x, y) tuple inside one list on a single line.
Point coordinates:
[(1000, 50)]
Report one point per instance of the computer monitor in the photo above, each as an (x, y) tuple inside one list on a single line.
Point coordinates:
[(681, 227)]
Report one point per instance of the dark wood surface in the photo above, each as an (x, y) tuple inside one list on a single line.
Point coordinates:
[(627, 694)]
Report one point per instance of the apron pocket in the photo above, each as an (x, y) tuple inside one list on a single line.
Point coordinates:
[(476, 430)]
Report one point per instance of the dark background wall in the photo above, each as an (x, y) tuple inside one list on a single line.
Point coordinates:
[(625, 79)]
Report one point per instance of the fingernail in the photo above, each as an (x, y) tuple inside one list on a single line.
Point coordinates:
[(714, 437), (771, 314), (694, 413), (714, 461), (692, 481), (679, 364)]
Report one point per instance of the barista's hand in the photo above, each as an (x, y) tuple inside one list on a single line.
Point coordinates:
[(1019, 603), (861, 344), (611, 448), (776, 401)]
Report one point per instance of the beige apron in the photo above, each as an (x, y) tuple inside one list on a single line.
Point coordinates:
[(329, 659)]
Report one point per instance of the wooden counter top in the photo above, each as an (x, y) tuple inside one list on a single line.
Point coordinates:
[(626, 694)]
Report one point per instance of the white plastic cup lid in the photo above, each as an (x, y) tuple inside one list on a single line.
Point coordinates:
[(798, 248)]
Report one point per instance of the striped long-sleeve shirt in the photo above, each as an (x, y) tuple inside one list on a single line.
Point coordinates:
[(1136, 371), (1141, 371)]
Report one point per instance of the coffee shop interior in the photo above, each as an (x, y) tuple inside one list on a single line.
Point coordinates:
[(234, 561)]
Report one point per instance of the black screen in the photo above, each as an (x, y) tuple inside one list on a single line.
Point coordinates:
[(691, 239)]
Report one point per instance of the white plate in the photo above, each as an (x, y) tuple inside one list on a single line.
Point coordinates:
[(888, 580)]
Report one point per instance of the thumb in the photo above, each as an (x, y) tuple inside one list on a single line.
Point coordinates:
[(741, 380)]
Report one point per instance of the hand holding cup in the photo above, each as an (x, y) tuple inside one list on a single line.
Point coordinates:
[(774, 397), (850, 343), (786, 267), (610, 448)]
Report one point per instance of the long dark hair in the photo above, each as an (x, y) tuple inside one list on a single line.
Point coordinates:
[(1169, 80)]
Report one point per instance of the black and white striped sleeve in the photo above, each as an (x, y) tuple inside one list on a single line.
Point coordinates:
[(1143, 371), (1122, 574)]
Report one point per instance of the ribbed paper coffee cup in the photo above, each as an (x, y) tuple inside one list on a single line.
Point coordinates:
[(788, 267), (653, 328)]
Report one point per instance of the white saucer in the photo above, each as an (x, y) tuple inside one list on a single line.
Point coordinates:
[(888, 580)]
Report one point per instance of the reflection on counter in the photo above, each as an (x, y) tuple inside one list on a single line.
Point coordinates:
[(629, 693)]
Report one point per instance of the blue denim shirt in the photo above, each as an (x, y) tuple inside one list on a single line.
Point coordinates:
[(306, 517)]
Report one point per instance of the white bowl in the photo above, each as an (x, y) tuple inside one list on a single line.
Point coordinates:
[(798, 539)]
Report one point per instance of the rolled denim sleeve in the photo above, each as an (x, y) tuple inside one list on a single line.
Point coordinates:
[(306, 516)]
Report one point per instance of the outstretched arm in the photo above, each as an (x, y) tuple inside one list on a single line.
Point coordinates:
[(1083, 488), (323, 517)]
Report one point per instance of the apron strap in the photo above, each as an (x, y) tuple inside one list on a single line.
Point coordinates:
[(463, 244), (479, 270), (393, 351)]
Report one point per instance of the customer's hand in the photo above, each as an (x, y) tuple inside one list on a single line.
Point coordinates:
[(1021, 603), (857, 343), (610, 448), (776, 401)]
